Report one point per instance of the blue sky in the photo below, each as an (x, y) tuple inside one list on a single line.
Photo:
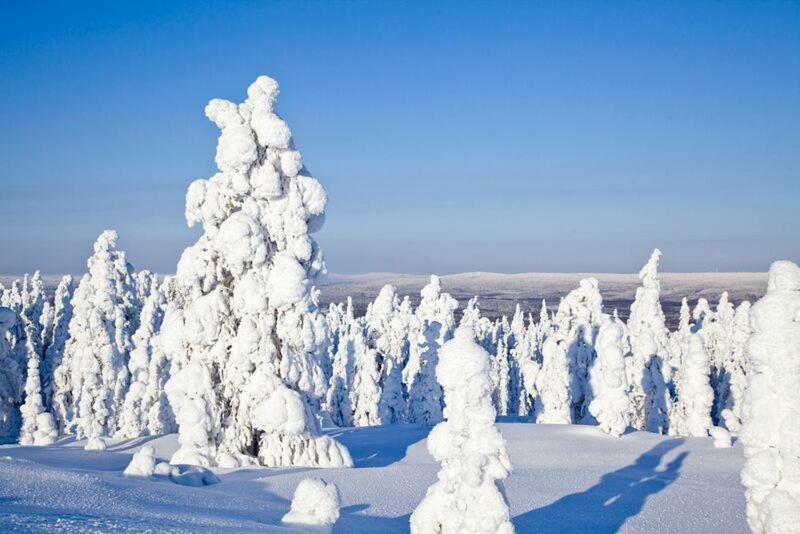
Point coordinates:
[(451, 136)]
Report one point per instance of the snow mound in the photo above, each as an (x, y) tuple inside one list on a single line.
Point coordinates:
[(143, 463), (315, 503)]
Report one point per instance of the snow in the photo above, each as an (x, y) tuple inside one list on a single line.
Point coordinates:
[(315, 504), (566, 478)]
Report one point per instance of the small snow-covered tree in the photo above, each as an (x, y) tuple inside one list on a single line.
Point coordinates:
[(736, 370), (552, 405), (38, 426), (315, 505), (337, 399), (134, 418), (93, 376), (11, 380), (691, 414), (771, 418), (247, 346), (425, 395), (610, 404), (501, 376), (365, 394), (648, 335), (469, 447)]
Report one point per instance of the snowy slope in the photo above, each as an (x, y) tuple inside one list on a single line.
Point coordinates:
[(566, 478)]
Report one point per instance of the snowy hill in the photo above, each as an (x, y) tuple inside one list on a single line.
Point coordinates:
[(565, 479)]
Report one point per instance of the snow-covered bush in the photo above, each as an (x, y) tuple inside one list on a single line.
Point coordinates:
[(649, 341), (143, 463), (469, 447), (771, 418), (610, 406), (247, 344), (691, 415), (315, 504)]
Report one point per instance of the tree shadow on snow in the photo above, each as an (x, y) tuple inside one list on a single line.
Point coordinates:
[(379, 446), (606, 506)]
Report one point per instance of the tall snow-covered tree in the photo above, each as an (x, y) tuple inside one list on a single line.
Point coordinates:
[(610, 404), (11, 378), (771, 418), (691, 414), (468, 446), (38, 425), (62, 314), (92, 377), (134, 417), (552, 405), (246, 348), (649, 341), (425, 395), (577, 321), (736, 370), (365, 394)]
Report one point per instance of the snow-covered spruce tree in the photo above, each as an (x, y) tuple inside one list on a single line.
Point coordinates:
[(720, 353), (95, 361), (467, 444), (134, 418), (425, 395), (337, 398), (610, 404), (552, 405), (577, 321), (38, 425), (11, 380), (434, 306), (389, 322), (649, 341), (701, 314), (736, 370), (246, 347), (771, 419), (365, 393), (692, 413), (501, 376)]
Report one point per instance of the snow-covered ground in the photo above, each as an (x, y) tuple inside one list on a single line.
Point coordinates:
[(565, 479)]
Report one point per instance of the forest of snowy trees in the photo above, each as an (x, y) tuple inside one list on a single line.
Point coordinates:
[(235, 355)]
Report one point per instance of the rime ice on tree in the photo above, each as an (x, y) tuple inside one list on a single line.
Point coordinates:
[(469, 447), (771, 418), (246, 345)]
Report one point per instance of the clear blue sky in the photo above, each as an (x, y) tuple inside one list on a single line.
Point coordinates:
[(496, 136)]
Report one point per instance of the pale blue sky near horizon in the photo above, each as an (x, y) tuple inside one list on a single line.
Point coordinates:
[(451, 136)]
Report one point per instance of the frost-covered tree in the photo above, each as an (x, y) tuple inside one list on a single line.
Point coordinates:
[(771, 418), (434, 306), (552, 405), (247, 347), (691, 415), (38, 426), (577, 321), (610, 404), (425, 395), (134, 418), (468, 446), (337, 399), (62, 314), (389, 322), (365, 394), (11, 380), (501, 376), (736, 370), (649, 341), (93, 376)]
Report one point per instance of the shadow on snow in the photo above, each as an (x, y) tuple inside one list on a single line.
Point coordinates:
[(606, 506)]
